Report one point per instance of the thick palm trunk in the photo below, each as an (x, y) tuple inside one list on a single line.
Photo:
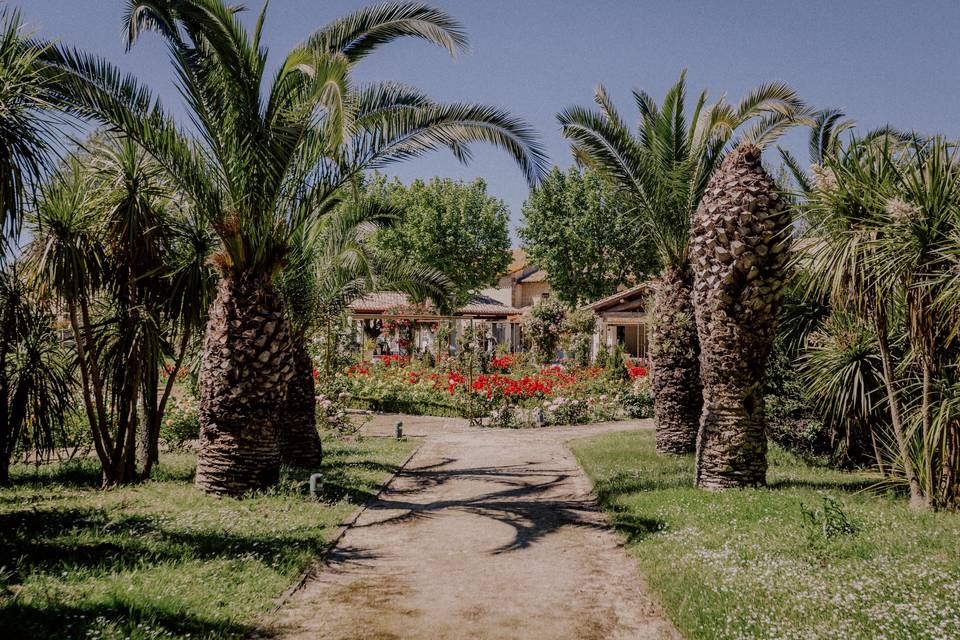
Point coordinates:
[(738, 250), (243, 384), (674, 355), (299, 440)]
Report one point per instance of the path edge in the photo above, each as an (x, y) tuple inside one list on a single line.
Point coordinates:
[(313, 568)]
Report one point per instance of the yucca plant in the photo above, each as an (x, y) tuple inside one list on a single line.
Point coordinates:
[(109, 245), (664, 168), (848, 205), (272, 154), (842, 375), (36, 374)]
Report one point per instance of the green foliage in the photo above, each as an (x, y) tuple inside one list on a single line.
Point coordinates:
[(542, 326), (827, 521), (617, 365), (453, 227), (578, 327), (738, 564), (637, 401), (602, 358), (665, 166), (583, 233), (181, 424)]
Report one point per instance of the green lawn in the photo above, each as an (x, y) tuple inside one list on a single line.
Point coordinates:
[(742, 564), (162, 560)]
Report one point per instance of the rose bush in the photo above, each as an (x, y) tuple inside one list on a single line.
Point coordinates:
[(513, 393)]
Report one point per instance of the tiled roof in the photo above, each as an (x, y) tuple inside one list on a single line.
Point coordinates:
[(620, 296), (381, 301), (537, 276)]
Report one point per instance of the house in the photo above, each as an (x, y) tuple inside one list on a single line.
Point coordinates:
[(521, 285), (622, 319), (369, 313)]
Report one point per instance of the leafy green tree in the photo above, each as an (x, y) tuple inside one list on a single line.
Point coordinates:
[(448, 225), (582, 231)]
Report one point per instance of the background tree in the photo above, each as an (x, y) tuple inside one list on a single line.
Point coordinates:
[(664, 168), (453, 227), (580, 229)]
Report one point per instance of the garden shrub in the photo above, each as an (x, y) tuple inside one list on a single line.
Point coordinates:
[(180, 424), (637, 401), (566, 411), (542, 325)]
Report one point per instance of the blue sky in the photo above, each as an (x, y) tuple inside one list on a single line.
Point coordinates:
[(882, 61)]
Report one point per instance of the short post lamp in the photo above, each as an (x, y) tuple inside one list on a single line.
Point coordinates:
[(316, 482), (399, 428)]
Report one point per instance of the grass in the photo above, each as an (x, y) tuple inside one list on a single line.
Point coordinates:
[(749, 563), (160, 559)]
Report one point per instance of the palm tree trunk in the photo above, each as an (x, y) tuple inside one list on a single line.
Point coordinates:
[(243, 385), (299, 440), (675, 366), (740, 235)]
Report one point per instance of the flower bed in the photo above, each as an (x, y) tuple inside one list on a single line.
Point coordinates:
[(512, 392)]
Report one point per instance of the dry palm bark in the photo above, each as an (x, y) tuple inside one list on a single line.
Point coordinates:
[(299, 440), (243, 384), (674, 356), (740, 237)]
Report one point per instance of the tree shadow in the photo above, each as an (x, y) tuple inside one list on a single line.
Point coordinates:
[(634, 526), (851, 485), (519, 501), (23, 621), (52, 540)]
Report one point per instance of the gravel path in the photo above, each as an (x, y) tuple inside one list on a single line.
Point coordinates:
[(485, 534)]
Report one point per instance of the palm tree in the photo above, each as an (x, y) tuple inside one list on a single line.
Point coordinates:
[(739, 247), (25, 124), (271, 155), (330, 265), (664, 169)]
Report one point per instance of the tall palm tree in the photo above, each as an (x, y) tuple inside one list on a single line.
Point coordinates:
[(664, 168), (272, 154), (739, 246)]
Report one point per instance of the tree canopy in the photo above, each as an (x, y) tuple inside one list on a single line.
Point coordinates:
[(452, 226), (583, 233)]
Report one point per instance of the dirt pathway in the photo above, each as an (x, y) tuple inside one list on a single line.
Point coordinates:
[(485, 534)]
